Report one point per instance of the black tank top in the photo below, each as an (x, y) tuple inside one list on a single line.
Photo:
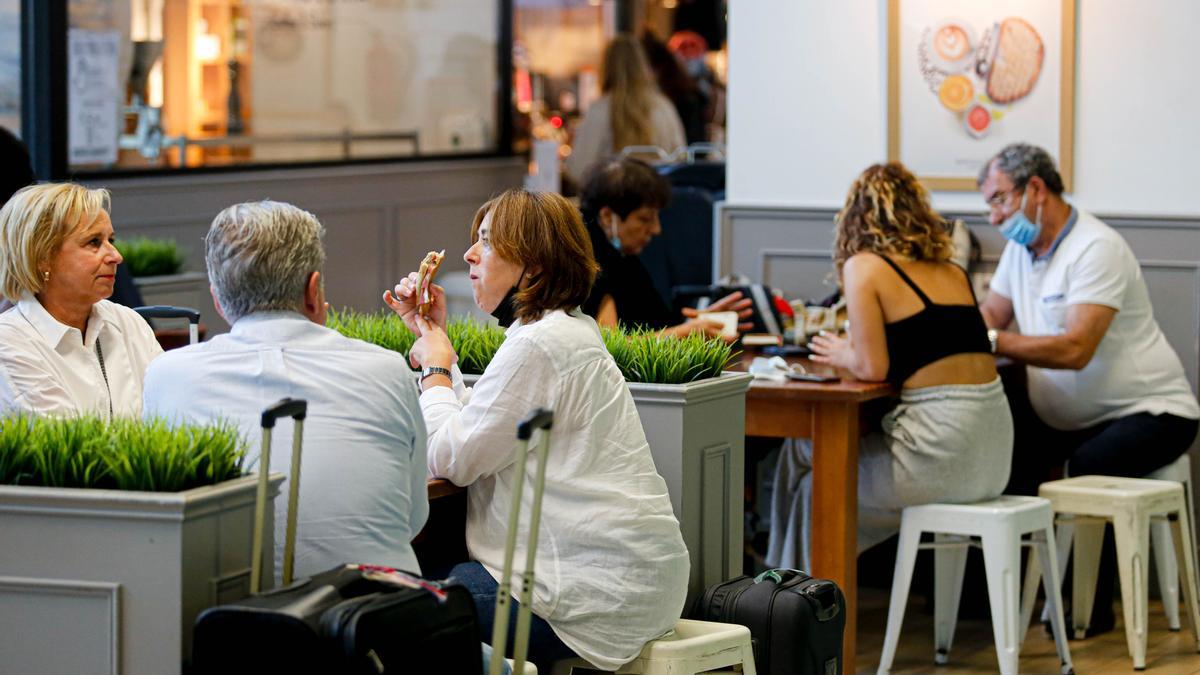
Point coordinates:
[(932, 334)]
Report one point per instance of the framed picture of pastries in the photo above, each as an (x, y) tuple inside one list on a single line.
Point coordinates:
[(967, 78)]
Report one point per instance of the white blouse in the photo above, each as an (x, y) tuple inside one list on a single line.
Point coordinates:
[(611, 568), (49, 368)]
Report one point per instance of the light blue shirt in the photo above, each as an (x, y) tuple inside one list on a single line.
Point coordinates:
[(363, 480)]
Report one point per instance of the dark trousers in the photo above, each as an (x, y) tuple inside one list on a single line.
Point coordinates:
[(544, 646), (1130, 447)]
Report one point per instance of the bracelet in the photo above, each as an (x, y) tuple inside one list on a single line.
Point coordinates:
[(434, 370)]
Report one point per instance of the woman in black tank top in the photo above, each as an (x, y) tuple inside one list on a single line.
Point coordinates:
[(913, 322)]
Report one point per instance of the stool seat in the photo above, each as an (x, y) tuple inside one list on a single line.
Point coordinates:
[(1130, 504), (1000, 525), (1107, 495), (693, 647)]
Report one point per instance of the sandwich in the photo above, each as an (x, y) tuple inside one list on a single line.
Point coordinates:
[(429, 268)]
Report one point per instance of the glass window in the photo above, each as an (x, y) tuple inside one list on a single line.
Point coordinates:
[(10, 65), (191, 83)]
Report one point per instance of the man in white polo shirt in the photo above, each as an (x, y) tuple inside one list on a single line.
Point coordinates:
[(1108, 392)]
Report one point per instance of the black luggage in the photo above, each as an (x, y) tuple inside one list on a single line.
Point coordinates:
[(795, 621), (350, 619)]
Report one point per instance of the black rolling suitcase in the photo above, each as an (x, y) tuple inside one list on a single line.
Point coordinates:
[(350, 619), (796, 621)]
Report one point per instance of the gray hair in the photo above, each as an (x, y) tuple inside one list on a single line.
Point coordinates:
[(1020, 162), (260, 256)]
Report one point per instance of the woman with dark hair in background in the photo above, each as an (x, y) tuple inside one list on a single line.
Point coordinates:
[(679, 87), (620, 204), (632, 111)]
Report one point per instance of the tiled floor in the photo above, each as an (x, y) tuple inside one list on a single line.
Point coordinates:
[(1169, 653)]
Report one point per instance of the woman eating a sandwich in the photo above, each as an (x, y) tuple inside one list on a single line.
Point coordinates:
[(611, 567)]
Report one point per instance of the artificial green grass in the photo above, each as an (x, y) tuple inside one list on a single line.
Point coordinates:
[(146, 257), (642, 355), (125, 454)]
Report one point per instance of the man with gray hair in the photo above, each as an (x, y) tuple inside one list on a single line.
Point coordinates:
[(1106, 392), (362, 482)]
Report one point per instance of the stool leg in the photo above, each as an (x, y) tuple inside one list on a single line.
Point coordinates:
[(1064, 536), (1088, 538), (1033, 577), (1002, 558), (1133, 546), (1050, 579), (1184, 547), (906, 556), (1164, 550), (949, 564)]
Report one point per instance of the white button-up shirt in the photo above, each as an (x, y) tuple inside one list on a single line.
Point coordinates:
[(49, 368), (611, 567), (362, 474)]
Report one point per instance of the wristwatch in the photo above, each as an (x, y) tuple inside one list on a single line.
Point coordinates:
[(992, 335), (438, 370)]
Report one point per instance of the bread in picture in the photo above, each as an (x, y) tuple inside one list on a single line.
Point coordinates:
[(1017, 62)]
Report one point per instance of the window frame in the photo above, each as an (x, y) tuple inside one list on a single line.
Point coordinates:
[(44, 105)]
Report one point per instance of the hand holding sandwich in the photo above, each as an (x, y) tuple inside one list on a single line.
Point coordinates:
[(416, 295)]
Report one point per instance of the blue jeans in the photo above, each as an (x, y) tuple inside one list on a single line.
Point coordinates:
[(544, 646)]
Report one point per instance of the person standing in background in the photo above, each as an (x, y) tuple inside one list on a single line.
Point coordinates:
[(631, 111), (675, 83)]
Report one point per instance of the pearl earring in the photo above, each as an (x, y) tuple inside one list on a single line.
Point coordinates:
[(46, 275)]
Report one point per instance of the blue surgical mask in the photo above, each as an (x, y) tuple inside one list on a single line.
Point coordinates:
[(615, 240), (1017, 228)]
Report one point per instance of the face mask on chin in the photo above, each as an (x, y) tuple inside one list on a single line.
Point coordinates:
[(505, 313), (1017, 228)]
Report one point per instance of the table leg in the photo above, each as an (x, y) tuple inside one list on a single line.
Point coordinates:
[(835, 507)]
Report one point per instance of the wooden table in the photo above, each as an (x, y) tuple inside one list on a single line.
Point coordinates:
[(829, 415)]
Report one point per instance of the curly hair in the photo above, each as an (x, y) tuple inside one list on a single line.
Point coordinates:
[(887, 212)]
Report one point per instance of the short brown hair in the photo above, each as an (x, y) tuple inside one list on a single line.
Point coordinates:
[(887, 211), (33, 225), (541, 230)]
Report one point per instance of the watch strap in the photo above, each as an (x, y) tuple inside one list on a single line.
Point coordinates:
[(435, 370)]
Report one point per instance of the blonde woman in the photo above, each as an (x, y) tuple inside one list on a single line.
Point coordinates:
[(914, 322), (631, 111), (64, 348)]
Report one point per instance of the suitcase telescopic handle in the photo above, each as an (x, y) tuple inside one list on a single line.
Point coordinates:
[(297, 409), (538, 419), (294, 408)]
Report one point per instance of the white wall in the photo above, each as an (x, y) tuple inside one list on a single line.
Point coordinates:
[(807, 104)]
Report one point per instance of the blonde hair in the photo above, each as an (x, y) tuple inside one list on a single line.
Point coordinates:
[(34, 223), (545, 231), (630, 92), (887, 212)]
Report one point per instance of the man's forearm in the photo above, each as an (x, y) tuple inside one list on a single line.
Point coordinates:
[(1044, 351)]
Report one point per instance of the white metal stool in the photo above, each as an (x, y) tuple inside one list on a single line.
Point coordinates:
[(1087, 503), (695, 647), (1000, 524), (1161, 542)]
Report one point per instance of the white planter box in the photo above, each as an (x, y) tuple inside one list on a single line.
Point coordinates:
[(186, 289), (697, 435), (107, 581)]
